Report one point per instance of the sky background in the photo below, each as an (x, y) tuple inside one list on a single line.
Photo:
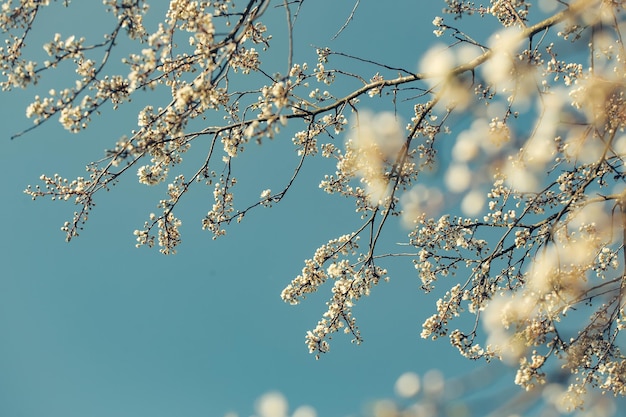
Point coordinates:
[(99, 328)]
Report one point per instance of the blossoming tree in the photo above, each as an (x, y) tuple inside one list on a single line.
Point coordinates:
[(526, 229)]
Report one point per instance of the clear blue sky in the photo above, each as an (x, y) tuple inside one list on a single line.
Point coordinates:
[(99, 328)]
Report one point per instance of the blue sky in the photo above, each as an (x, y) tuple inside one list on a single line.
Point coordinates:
[(99, 328)]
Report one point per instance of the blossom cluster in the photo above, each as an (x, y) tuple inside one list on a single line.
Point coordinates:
[(534, 182)]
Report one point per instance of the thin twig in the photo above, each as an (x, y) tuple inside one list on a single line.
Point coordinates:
[(345, 25)]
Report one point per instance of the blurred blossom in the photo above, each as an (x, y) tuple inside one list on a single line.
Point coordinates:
[(583, 147), (272, 404), (499, 132), (504, 45), (542, 273), (499, 313), (600, 406), (619, 145), (419, 201), (373, 145), (598, 96), (520, 178), (552, 393), (385, 408), (423, 409), (599, 218), (471, 141), (305, 411), (458, 177), (473, 202), (408, 385), (466, 147), (437, 63), (541, 148), (538, 151), (496, 108), (467, 53), (434, 383)]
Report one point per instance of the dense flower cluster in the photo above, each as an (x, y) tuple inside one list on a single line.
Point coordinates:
[(536, 252)]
